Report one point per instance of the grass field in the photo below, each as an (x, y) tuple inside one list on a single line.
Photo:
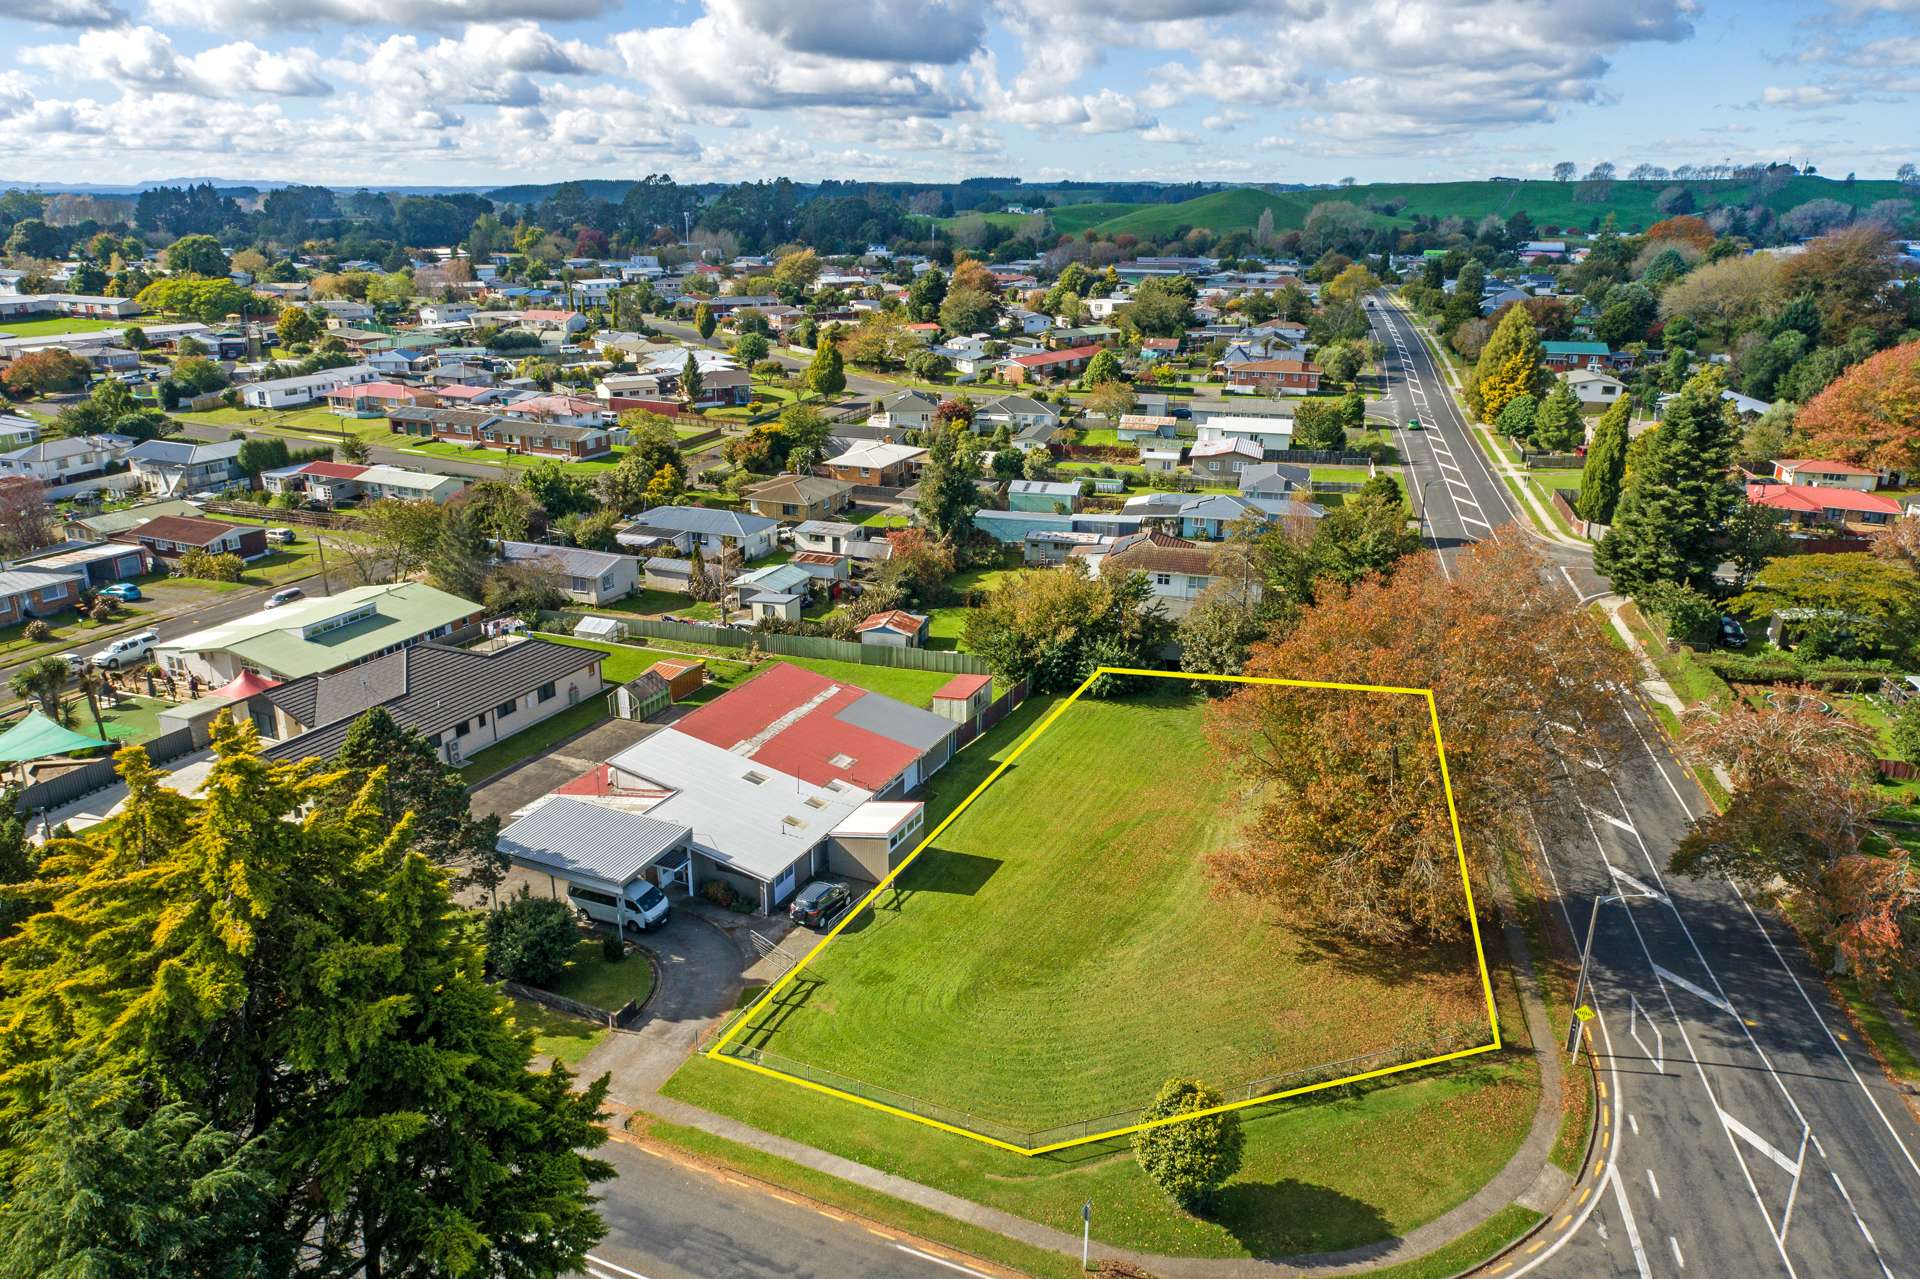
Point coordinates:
[(555, 1034), (1331, 1171), (57, 324), (1103, 829)]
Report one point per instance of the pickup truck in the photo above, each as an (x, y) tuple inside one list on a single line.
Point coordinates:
[(128, 650)]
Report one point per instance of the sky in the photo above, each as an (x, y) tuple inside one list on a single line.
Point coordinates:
[(350, 92)]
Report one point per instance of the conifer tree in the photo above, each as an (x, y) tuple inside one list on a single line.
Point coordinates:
[(1557, 427), (1677, 500), (1606, 466)]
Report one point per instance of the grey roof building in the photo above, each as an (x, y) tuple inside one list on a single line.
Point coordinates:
[(591, 844), (593, 577)]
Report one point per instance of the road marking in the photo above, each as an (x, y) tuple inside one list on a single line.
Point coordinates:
[(1633, 1230), (1653, 1182), (1585, 1191), (828, 1212), (1758, 1142), (615, 1266), (1691, 989), (1624, 877), (942, 1261), (1658, 1053), (1864, 1232), (1633, 1123), (872, 1230), (1678, 1260), (735, 1181), (1468, 519), (1563, 1222)]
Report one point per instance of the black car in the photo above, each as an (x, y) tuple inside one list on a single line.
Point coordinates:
[(1732, 634), (819, 904), (1179, 412)]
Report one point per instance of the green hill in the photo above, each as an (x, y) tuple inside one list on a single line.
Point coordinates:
[(1549, 204), (1072, 219)]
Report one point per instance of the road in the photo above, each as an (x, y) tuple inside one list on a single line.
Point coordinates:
[(1746, 1132), (677, 1221)]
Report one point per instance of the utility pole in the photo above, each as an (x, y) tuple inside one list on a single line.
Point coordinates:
[(1586, 958)]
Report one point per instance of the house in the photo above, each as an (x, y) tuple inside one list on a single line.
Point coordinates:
[(319, 634), (111, 525), (877, 464), (837, 537), (493, 430), (1744, 406), (565, 410), (1154, 350), (1224, 461), (19, 306), (896, 628), (963, 697), (27, 592), (97, 563), (1028, 323), (1154, 461), (1018, 413), (824, 567), (172, 467), (1052, 547), (1274, 479), (461, 700), (712, 529), (1807, 505), (1213, 515), (777, 591), (1275, 377), (1134, 427), (665, 573), (904, 411), (798, 497), (171, 536), (60, 461), (1593, 386), (1050, 366), (16, 431), (1011, 528), (373, 399), (291, 392), (1178, 571), (1819, 473), (1562, 356), (587, 577), (1043, 495), (344, 310), (1270, 434)]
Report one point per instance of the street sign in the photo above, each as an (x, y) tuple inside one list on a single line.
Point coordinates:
[(1584, 1012)]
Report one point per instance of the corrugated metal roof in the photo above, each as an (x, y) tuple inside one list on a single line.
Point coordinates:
[(586, 843)]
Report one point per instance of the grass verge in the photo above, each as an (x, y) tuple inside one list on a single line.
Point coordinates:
[(563, 1038)]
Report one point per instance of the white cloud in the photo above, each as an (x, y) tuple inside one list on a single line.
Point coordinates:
[(1803, 97), (941, 31), (1225, 121), (1167, 133), (63, 13), (276, 15), (485, 65), (143, 58)]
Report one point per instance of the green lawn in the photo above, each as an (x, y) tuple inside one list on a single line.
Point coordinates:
[(1344, 474), (1032, 975), (299, 423), (625, 661), (645, 602), (592, 979), (69, 630), (58, 324), (563, 1038), (913, 687)]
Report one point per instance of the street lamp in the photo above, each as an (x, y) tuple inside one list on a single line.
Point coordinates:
[(1586, 957)]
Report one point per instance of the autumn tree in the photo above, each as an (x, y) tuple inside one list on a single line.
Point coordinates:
[(1670, 517), (1510, 365), (46, 372), (1350, 826), (1847, 272), (1055, 626), (1726, 297), (1606, 464), (1869, 415)]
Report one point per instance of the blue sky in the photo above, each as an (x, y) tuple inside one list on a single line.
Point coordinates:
[(488, 91)]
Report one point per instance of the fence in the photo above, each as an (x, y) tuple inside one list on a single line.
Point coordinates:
[(1319, 457), (117, 482), (919, 659), (1552, 461), (618, 1019), (992, 713), (314, 519), (97, 774), (1567, 502)]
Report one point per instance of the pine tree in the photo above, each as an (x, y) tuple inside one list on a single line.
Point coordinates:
[(703, 322), (948, 496), (690, 380), (462, 553), (1606, 466), (1557, 427), (827, 374), (282, 967), (420, 784), (1667, 525), (1510, 365)]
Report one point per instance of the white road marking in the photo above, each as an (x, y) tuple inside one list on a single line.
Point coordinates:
[(1626, 1219), (1864, 1232), (1678, 1260), (1621, 823), (1658, 1052), (1654, 1182), (941, 1261), (1635, 1125), (615, 1266), (1691, 989), (1627, 879), (1468, 519), (1759, 1143)]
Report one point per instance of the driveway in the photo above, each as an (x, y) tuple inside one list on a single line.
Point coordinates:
[(542, 774)]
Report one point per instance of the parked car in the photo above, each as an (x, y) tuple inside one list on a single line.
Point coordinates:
[(285, 596), (128, 650), (125, 592), (75, 663), (819, 903), (646, 905), (281, 535), (1732, 634), (1180, 412)]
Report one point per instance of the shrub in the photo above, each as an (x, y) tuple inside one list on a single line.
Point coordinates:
[(37, 631), (530, 939), (718, 891), (211, 566), (102, 609), (1770, 668), (1192, 1159), (612, 949), (1691, 616)]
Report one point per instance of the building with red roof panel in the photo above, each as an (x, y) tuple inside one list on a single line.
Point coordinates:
[(1846, 508), (821, 731)]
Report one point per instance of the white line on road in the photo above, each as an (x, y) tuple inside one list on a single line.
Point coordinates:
[(1678, 1260), (1691, 989), (1635, 1125), (1626, 1219), (1468, 519), (941, 1261), (615, 1266), (1759, 1143), (1653, 1181), (1627, 879), (1864, 1232)]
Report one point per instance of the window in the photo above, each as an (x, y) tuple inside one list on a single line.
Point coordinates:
[(505, 708), (546, 693), (1196, 583), (1163, 579), (460, 729)]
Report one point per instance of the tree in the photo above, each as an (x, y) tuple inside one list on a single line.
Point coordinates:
[(1847, 273), (1189, 1158), (1517, 418), (948, 495), (1055, 626), (690, 387), (1513, 670), (197, 255), (530, 939), (262, 453), (42, 681), (462, 553), (1725, 297), (1869, 415), (967, 311), (1564, 171), (209, 301), (297, 324), (400, 535), (794, 274), (276, 962), (1341, 362), (750, 349), (1850, 604), (47, 372), (210, 566), (1103, 367), (1558, 427), (1606, 464), (26, 519), (1111, 400), (1318, 424), (926, 293), (1161, 308), (1219, 630), (1905, 733), (1510, 365), (1676, 501), (1691, 616), (703, 322), (826, 374), (33, 238)]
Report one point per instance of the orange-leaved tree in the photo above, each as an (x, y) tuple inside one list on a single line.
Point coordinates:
[(1870, 415), (1349, 826)]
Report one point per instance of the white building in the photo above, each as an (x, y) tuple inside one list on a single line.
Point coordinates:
[(291, 392)]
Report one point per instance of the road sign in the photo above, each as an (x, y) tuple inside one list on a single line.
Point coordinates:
[(1584, 1012)]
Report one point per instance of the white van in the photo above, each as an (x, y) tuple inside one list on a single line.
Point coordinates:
[(646, 905)]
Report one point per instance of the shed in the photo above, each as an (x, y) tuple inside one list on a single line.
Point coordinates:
[(963, 697), (683, 678), (600, 628), (642, 697)]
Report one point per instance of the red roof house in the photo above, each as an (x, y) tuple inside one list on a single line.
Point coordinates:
[(1846, 508)]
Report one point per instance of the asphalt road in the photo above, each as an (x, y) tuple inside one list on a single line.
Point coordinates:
[(1747, 1132), (668, 1220)]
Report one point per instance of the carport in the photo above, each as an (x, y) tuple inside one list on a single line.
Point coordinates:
[(598, 847)]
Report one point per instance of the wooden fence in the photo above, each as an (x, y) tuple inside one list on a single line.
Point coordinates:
[(815, 646), (992, 713), (1552, 461), (273, 515), (97, 774)]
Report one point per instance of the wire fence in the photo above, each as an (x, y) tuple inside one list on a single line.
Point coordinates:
[(751, 1046)]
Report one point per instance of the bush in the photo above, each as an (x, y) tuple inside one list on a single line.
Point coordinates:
[(1192, 1159), (102, 609), (1771, 668), (1691, 616), (37, 631), (612, 949), (530, 939), (210, 566), (718, 891)]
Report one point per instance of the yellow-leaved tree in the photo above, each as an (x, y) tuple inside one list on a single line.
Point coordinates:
[(1511, 365)]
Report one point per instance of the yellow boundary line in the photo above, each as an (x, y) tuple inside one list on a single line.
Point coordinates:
[(741, 1020)]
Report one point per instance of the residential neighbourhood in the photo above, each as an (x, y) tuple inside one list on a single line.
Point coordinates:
[(806, 713)]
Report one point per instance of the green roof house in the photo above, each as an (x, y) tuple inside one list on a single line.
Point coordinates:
[(317, 635)]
